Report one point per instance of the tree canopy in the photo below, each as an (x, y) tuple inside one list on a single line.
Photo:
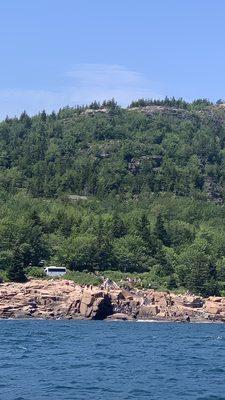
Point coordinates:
[(100, 188)]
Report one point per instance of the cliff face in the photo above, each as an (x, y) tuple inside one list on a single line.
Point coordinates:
[(64, 299)]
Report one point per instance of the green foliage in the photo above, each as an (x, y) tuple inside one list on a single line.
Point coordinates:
[(4, 276), (197, 271), (160, 230), (35, 272), (102, 149), (152, 179), (83, 278), (180, 233), (131, 253), (15, 271)]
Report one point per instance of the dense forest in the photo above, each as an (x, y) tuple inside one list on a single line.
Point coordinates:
[(102, 188)]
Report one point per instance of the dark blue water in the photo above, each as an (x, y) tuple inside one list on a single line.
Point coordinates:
[(111, 360)]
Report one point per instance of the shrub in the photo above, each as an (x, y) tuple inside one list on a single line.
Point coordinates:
[(83, 278), (35, 272)]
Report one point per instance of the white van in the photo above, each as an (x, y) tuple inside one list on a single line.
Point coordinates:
[(55, 271)]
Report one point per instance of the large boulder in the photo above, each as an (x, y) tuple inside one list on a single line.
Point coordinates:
[(120, 317), (146, 312), (194, 302), (95, 305), (212, 308)]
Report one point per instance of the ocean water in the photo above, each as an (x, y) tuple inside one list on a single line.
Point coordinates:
[(99, 360)]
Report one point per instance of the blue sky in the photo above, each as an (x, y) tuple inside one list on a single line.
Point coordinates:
[(67, 52)]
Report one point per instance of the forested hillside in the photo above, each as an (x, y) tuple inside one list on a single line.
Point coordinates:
[(153, 179)]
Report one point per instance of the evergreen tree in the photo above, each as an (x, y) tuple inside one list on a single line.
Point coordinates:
[(16, 272), (143, 228), (118, 227), (160, 230)]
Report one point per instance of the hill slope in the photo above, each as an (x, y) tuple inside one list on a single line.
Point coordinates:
[(94, 152), (152, 180)]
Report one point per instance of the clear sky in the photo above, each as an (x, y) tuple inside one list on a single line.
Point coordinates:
[(67, 52)]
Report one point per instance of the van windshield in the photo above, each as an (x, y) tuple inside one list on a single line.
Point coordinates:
[(56, 269)]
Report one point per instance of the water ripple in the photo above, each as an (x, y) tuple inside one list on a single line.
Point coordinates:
[(77, 360)]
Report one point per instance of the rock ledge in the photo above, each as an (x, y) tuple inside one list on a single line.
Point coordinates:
[(63, 299)]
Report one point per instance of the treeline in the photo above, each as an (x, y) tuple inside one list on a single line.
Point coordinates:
[(114, 150), (151, 182), (198, 104), (178, 243)]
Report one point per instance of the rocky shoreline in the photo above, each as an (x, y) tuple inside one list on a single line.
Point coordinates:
[(63, 299)]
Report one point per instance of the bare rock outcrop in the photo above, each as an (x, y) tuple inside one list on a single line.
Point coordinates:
[(55, 299)]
